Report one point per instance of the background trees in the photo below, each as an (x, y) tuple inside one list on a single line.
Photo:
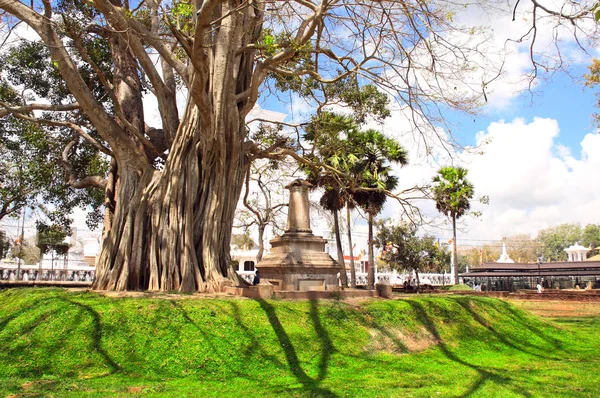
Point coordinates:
[(553, 241), (41, 164)]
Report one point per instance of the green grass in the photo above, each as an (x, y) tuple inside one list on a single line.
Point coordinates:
[(455, 287), (59, 343)]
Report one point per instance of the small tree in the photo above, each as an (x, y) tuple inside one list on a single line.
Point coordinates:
[(452, 193), (329, 134), (441, 260), (403, 250), (51, 238), (263, 199)]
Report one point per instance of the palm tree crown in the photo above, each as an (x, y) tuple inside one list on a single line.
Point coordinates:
[(452, 192)]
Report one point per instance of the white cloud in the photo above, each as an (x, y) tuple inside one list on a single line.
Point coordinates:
[(532, 181)]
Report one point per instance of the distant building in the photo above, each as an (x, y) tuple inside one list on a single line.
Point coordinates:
[(511, 276)]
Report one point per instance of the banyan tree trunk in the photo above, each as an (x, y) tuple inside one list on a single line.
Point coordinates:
[(172, 229)]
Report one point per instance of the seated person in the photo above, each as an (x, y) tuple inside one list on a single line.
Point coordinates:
[(256, 280)]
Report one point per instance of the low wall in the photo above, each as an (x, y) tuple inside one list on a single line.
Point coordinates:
[(557, 296), (80, 284)]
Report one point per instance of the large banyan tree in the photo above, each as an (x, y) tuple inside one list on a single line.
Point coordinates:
[(172, 189)]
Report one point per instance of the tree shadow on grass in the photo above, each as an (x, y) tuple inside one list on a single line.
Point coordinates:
[(34, 317), (465, 303), (255, 344), (519, 317), (484, 375), (96, 335), (327, 349)]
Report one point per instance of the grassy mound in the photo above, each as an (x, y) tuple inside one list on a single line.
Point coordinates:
[(60, 343), (459, 286)]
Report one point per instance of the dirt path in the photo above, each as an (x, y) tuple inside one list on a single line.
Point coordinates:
[(553, 309)]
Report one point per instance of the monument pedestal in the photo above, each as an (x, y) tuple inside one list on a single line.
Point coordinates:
[(297, 260)]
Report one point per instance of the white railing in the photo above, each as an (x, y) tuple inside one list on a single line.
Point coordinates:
[(32, 272), (396, 279)]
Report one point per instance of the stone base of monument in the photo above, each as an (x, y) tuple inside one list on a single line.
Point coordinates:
[(256, 293), (298, 262), (384, 290)]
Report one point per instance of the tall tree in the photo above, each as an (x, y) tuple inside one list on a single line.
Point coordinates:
[(328, 132), (375, 179), (452, 193), (173, 187)]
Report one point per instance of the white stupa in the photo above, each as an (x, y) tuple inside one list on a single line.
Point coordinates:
[(504, 257)]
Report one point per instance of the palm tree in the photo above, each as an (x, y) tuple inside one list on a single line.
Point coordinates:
[(333, 201), (349, 206), (452, 193), (375, 154), (327, 132)]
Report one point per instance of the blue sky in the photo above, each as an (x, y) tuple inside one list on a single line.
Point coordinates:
[(562, 98)]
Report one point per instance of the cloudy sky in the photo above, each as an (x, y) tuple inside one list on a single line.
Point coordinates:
[(537, 151), (534, 152)]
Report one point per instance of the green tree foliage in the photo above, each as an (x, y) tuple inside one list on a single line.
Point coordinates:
[(330, 135), (554, 240), (590, 237), (402, 249), (452, 193), (52, 237), (40, 159), (241, 241)]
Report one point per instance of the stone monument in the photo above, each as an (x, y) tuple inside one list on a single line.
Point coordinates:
[(297, 260)]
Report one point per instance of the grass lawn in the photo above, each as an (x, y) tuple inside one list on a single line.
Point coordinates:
[(60, 343)]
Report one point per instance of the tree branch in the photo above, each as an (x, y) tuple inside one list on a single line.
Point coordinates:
[(86, 182), (36, 107)]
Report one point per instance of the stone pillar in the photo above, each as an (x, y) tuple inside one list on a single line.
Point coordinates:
[(298, 211)]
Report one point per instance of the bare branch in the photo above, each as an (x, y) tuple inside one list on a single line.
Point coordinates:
[(8, 109)]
